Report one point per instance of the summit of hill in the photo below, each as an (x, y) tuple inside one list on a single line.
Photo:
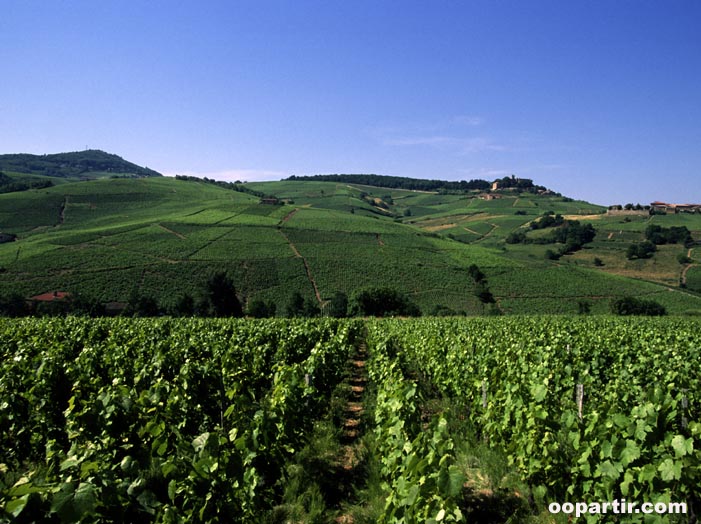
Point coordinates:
[(91, 163)]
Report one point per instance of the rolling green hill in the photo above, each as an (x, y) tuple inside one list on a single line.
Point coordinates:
[(109, 238), (91, 163)]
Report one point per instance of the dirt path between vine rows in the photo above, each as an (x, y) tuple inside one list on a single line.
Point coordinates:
[(168, 230), (306, 265), (349, 458), (685, 271)]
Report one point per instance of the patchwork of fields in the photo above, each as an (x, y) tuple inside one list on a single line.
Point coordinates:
[(110, 238)]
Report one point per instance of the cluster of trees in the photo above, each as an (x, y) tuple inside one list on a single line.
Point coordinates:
[(482, 291), (396, 182), (637, 306), (519, 184), (571, 233), (218, 298), (659, 235), (547, 220), (630, 207), (10, 185), (641, 250), (383, 302)]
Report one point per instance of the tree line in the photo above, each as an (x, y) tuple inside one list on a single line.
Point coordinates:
[(10, 185), (396, 182)]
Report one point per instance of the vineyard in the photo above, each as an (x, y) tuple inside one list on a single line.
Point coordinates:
[(463, 420)]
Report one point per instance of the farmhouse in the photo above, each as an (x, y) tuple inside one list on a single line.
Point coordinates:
[(51, 296), (51, 302), (270, 200), (675, 208)]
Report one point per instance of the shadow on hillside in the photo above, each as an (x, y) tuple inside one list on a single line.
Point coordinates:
[(488, 507)]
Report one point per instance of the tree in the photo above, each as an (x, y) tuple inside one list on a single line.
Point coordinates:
[(140, 305), (221, 294), (295, 308), (641, 250), (184, 306), (475, 273), (483, 294), (682, 258), (13, 305), (637, 306), (338, 307), (81, 305), (259, 308), (383, 302)]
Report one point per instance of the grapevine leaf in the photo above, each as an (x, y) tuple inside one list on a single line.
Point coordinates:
[(682, 446), (630, 453), (670, 470)]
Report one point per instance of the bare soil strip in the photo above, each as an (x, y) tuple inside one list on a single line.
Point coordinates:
[(352, 430), (304, 261), (62, 211), (494, 227), (685, 271), (289, 215), (472, 231), (164, 228)]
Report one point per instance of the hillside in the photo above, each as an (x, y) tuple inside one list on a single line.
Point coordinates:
[(162, 237), (83, 164)]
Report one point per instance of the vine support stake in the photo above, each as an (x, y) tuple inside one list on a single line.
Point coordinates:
[(685, 407), (580, 399)]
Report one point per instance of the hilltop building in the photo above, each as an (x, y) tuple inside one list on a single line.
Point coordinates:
[(675, 208)]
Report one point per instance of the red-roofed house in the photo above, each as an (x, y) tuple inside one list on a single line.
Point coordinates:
[(51, 296)]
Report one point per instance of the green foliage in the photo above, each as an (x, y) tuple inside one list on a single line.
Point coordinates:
[(125, 420), (13, 305), (659, 235), (637, 306), (584, 307), (516, 380), (397, 182), (547, 220), (475, 273), (338, 306), (298, 306), (382, 302), (221, 296), (10, 185), (259, 308), (641, 250)]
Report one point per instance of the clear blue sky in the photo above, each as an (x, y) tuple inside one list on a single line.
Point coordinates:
[(599, 100)]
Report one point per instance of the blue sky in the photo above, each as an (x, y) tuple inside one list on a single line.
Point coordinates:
[(598, 100)]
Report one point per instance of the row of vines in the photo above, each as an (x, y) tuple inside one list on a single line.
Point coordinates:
[(594, 409), (197, 420), (158, 420)]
